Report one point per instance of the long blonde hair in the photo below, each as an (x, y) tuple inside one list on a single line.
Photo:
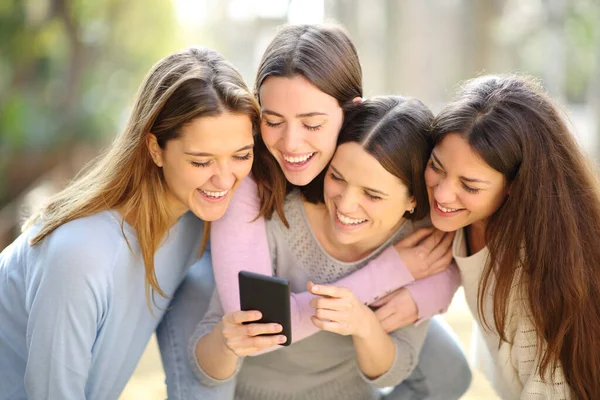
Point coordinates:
[(185, 85)]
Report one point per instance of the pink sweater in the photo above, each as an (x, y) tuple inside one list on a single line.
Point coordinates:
[(239, 242)]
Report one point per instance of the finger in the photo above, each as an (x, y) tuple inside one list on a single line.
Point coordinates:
[(442, 247), (330, 326), (251, 330), (384, 312), (239, 317), (330, 315), (249, 345), (432, 240), (330, 303), (443, 263), (330, 290), (263, 342), (415, 238)]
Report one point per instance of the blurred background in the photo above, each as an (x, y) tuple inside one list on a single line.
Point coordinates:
[(69, 70)]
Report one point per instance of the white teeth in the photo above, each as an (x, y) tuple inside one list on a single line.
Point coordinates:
[(447, 210), (215, 195), (296, 160), (349, 221)]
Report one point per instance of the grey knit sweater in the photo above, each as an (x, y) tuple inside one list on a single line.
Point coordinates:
[(324, 365)]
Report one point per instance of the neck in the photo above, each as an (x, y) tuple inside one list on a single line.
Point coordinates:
[(476, 236), (176, 210)]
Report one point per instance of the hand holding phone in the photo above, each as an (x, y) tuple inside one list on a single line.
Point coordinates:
[(243, 336), (271, 296)]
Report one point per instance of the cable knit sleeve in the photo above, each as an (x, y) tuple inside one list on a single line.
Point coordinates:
[(525, 356), (408, 342)]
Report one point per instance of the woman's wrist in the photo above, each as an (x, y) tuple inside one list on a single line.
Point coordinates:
[(369, 326)]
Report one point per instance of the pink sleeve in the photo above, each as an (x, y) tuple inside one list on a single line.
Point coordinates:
[(434, 293), (379, 277), (237, 243), (240, 243)]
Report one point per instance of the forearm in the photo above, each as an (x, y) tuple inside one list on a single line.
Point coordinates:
[(375, 351), (215, 359)]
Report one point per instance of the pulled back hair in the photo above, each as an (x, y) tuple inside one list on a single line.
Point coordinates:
[(189, 84), (546, 232), (326, 57), (395, 131)]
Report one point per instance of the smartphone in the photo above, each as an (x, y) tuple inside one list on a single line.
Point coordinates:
[(271, 296)]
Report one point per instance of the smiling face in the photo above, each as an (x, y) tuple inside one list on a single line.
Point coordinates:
[(365, 202), (463, 189), (205, 164), (300, 125)]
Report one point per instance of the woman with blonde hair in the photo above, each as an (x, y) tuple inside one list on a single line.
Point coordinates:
[(77, 287)]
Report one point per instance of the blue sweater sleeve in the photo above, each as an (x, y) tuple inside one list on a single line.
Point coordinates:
[(67, 300)]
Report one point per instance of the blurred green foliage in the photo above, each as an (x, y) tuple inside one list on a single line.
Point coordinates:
[(69, 70)]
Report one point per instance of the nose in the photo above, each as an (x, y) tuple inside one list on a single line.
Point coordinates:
[(223, 177), (292, 138), (348, 201), (444, 192)]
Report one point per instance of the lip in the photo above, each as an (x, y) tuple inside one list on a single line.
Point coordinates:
[(445, 214), (345, 227), (296, 166), (210, 199)]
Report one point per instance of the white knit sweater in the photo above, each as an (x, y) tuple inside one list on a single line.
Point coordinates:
[(511, 367)]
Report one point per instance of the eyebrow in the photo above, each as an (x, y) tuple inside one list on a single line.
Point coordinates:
[(364, 187), (199, 154), (464, 178), (303, 115)]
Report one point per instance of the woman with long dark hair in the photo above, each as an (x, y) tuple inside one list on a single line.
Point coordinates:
[(507, 173)]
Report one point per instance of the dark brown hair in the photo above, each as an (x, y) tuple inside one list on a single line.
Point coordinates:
[(327, 58), (395, 131), (546, 232), (191, 83)]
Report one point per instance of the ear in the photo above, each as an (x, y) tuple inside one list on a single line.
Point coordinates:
[(412, 205), (357, 100), (154, 149)]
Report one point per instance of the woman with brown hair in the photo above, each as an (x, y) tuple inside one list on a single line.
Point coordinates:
[(77, 288), (507, 173)]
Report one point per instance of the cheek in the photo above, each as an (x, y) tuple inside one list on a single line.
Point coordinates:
[(480, 206), (330, 189), (242, 169), (431, 178), (176, 172), (270, 135), (326, 140), (495, 203), (195, 177), (389, 215)]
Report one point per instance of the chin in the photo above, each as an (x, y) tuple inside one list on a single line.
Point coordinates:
[(209, 215), (299, 180), (444, 225), (347, 238)]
